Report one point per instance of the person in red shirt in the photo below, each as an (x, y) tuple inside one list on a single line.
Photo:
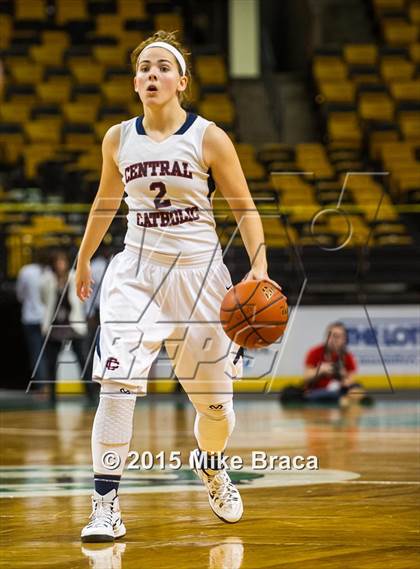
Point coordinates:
[(330, 370)]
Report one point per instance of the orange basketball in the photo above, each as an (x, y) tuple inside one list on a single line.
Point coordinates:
[(254, 313)]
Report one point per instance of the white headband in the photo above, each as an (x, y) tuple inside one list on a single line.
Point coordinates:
[(175, 52)]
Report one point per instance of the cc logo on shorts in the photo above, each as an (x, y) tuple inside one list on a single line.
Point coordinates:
[(112, 363), (125, 391), (216, 407)]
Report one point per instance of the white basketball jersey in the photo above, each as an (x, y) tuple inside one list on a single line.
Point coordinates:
[(169, 191)]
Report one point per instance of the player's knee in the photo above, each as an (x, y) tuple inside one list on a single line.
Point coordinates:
[(218, 418), (213, 425), (118, 390), (113, 422), (215, 411)]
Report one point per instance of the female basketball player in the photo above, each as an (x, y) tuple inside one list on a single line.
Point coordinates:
[(169, 281)]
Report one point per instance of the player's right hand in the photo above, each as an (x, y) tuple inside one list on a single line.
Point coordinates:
[(84, 280)]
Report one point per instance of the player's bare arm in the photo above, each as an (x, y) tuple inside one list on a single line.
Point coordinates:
[(220, 155), (103, 210)]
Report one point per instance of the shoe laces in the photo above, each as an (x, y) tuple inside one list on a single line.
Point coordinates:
[(101, 513), (222, 489)]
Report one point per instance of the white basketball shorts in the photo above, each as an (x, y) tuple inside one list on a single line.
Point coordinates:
[(145, 303)]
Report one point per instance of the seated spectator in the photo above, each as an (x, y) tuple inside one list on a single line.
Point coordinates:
[(330, 371)]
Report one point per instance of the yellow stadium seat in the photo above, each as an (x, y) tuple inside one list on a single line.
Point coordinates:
[(382, 5), (360, 54), (132, 10), (414, 50), (11, 144), (80, 112), (169, 21), (118, 90), (91, 159), (410, 128), (109, 25), (344, 127), (87, 73), (110, 55), (324, 68), (276, 234), (79, 140), (23, 97), (397, 68), (33, 155), (398, 240), (399, 32), (302, 197), (295, 193), (53, 92), (27, 73), (301, 213), (43, 130), (405, 90), (405, 181), (6, 30), (375, 106), (101, 127), (67, 10), (193, 92), (397, 151), (414, 12), (386, 212), (44, 55), (338, 91), (135, 108), (211, 70), (218, 108), (312, 157), (378, 138), (130, 39), (389, 229), (252, 169), (88, 98), (55, 39), (33, 10), (14, 112)]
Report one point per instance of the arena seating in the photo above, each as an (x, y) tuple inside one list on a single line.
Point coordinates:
[(68, 79)]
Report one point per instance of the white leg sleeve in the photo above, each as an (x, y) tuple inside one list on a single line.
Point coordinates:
[(213, 425), (112, 428)]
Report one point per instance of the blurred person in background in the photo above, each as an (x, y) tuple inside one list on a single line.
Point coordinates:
[(98, 265), (64, 320), (330, 371), (28, 292)]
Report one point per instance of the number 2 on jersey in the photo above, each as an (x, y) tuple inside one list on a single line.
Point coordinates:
[(158, 201)]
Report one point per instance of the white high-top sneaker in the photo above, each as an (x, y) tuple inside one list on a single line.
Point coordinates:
[(106, 523), (224, 498)]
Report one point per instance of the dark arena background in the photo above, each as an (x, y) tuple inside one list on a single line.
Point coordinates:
[(322, 101)]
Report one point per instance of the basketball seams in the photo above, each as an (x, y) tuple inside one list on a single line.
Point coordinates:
[(255, 314), (249, 298), (245, 316)]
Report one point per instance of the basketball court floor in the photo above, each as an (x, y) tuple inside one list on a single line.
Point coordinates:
[(360, 509)]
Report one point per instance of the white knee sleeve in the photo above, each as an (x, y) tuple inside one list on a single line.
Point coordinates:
[(213, 425), (112, 428)]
